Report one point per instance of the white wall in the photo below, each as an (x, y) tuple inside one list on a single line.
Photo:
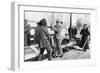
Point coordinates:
[(5, 38)]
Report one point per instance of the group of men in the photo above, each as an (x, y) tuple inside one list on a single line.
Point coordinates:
[(41, 33), (42, 37)]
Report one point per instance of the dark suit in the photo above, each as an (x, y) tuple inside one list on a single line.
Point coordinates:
[(72, 32), (27, 35), (43, 41), (85, 33)]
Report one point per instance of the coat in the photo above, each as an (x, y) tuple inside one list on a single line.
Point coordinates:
[(42, 35)]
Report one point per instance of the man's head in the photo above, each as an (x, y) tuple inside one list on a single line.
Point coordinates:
[(25, 21), (42, 22), (84, 26), (58, 21)]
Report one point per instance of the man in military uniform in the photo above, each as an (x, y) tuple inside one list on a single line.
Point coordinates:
[(43, 39), (58, 38)]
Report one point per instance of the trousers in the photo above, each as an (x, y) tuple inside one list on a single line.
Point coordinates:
[(49, 53)]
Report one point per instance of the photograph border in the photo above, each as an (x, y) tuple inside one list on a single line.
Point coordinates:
[(15, 22)]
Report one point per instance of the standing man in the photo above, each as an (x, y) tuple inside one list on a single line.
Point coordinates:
[(26, 33), (85, 35), (43, 38), (58, 38)]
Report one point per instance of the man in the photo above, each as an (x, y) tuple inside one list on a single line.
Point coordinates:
[(26, 33), (72, 32), (43, 39), (58, 38), (85, 35)]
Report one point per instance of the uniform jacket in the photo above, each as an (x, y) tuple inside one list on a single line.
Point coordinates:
[(58, 28)]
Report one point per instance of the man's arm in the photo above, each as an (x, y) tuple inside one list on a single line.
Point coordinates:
[(88, 32), (47, 33), (81, 31)]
